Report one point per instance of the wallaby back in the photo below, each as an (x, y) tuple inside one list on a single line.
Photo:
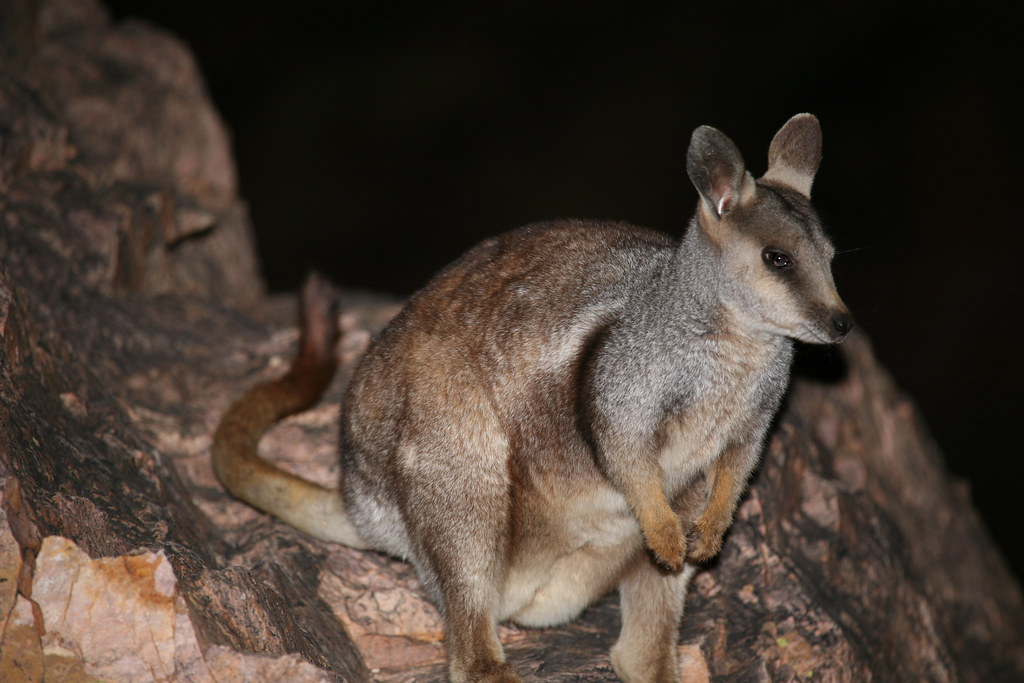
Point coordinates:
[(578, 405)]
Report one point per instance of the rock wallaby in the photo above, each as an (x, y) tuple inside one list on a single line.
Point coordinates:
[(568, 408)]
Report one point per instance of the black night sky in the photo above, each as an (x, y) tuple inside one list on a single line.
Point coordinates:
[(376, 142)]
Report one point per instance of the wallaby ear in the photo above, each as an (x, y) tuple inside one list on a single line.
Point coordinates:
[(795, 153), (716, 169)]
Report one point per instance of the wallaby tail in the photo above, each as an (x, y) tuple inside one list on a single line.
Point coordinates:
[(316, 510)]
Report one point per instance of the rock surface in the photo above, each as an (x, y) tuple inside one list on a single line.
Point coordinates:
[(119, 619)]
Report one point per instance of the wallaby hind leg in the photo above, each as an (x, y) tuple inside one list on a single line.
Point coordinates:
[(467, 584), (471, 640), (652, 606), (459, 526)]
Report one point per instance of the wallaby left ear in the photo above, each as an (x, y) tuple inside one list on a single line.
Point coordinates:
[(716, 169), (795, 153)]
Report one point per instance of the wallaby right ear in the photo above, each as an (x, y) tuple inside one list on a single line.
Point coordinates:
[(795, 154), (716, 169)]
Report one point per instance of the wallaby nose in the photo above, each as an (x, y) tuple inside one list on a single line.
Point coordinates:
[(842, 323)]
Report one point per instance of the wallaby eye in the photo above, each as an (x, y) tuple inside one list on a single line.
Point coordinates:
[(777, 259)]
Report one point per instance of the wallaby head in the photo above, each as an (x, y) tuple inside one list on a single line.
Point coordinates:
[(775, 257)]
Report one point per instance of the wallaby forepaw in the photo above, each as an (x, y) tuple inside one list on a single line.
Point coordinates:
[(704, 543), (668, 543)]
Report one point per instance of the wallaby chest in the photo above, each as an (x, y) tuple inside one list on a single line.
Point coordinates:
[(733, 385)]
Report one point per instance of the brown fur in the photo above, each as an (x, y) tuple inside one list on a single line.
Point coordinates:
[(568, 408)]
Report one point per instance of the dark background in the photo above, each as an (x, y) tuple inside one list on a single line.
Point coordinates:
[(376, 143)]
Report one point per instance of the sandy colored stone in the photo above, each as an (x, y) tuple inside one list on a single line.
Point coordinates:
[(21, 652), (10, 566), (692, 665), (118, 612), (121, 619)]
